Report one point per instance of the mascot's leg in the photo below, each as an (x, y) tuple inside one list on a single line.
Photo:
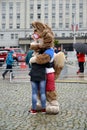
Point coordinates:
[(52, 106)]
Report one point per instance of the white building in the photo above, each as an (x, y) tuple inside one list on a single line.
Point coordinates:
[(16, 17)]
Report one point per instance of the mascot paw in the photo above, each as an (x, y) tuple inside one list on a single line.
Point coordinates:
[(52, 108), (33, 43), (32, 60)]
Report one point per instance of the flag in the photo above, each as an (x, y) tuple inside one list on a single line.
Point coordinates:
[(72, 27), (76, 27)]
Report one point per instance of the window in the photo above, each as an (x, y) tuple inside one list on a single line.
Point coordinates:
[(67, 6), (80, 25), (38, 16), (10, 16), (60, 25), (81, 15), (53, 16), (1, 36), (3, 25), (46, 15), (53, 25), (18, 26), (73, 6), (18, 16), (31, 16), (53, 1), (80, 1), (39, 6), (18, 6), (63, 34), (31, 6), (12, 36), (71, 34), (80, 6), (67, 1), (60, 1), (10, 26), (3, 6), (10, 5), (60, 6), (31, 25), (3, 16), (16, 36), (67, 25), (67, 13), (60, 15)]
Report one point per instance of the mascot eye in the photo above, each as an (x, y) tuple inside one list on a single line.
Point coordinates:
[(35, 30)]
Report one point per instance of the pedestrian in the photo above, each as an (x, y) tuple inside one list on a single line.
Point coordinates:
[(28, 56), (81, 61), (9, 63), (55, 50)]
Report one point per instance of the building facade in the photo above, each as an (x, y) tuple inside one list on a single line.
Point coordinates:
[(67, 18)]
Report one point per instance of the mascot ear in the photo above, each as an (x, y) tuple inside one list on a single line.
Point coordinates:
[(39, 26)]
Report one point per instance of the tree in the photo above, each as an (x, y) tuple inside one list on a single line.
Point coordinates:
[(56, 43)]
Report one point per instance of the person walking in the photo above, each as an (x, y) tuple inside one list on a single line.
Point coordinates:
[(81, 61), (9, 63)]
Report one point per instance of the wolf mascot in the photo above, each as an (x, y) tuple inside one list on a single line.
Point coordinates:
[(55, 62)]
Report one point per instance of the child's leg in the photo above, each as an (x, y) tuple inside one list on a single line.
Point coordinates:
[(34, 94), (42, 87)]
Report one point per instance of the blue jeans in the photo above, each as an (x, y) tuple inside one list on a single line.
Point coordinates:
[(38, 86)]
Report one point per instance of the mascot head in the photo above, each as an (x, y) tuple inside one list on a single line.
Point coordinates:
[(45, 33)]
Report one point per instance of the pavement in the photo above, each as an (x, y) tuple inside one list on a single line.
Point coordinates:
[(15, 101)]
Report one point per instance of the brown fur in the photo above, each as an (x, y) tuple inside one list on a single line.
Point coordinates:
[(51, 95)]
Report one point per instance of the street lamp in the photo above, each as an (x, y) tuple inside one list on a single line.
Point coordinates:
[(74, 28)]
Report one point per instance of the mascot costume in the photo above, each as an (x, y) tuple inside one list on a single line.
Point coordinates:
[(44, 40)]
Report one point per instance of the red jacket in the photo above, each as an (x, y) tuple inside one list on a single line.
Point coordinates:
[(81, 57)]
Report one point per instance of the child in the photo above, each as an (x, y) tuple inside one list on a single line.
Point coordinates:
[(38, 82)]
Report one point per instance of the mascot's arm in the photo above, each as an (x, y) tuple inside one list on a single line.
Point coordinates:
[(42, 58), (59, 60), (34, 47)]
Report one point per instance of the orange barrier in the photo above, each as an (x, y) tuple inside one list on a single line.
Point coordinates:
[(23, 65)]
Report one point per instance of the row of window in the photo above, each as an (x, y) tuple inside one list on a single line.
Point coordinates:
[(67, 6), (10, 26), (10, 16), (13, 36), (67, 25), (46, 15)]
